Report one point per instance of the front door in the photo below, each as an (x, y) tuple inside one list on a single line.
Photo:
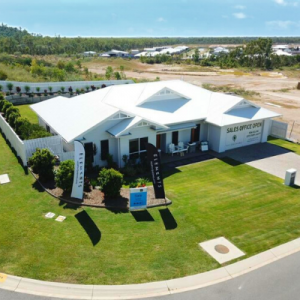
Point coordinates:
[(158, 141)]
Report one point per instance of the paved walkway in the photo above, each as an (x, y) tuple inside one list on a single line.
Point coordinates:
[(268, 158), (153, 289)]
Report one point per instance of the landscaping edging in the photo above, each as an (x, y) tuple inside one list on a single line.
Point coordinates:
[(167, 203)]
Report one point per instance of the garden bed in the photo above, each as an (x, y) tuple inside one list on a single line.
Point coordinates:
[(96, 198)]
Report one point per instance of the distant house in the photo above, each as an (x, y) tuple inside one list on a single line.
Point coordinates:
[(135, 51), (220, 50), (117, 53), (89, 53)]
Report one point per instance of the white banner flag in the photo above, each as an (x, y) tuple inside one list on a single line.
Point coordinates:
[(78, 181)]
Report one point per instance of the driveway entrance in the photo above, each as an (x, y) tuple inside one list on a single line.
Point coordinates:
[(268, 158)]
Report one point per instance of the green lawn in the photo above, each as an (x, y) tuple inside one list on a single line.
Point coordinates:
[(26, 112), (285, 144), (211, 199)]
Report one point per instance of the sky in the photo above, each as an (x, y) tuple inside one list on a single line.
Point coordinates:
[(154, 18)]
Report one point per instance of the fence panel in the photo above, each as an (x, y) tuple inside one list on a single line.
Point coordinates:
[(53, 143), (294, 131), (279, 129), (14, 140)]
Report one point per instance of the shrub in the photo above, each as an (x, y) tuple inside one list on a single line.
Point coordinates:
[(42, 163), (13, 118), (28, 131), (111, 182), (64, 175), (10, 110), (1, 87), (18, 89), (6, 106), (2, 102)]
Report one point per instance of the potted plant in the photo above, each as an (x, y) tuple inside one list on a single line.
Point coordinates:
[(45, 93), (38, 91), (93, 87), (18, 90), (27, 89), (10, 87), (77, 91), (50, 90), (62, 89), (0, 88), (70, 89)]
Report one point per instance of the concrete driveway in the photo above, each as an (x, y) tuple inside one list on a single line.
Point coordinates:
[(268, 158)]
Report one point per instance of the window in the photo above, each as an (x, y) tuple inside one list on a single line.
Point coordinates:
[(175, 137), (104, 146), (138, 147), (89, 152), (195, 134)]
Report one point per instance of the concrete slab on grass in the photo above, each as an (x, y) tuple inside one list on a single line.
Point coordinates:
[(221, 250), (4, 179)]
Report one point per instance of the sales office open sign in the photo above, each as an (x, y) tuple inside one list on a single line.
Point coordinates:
[(241, 135)]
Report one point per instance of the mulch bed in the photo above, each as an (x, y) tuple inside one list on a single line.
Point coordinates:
[(96, 198)]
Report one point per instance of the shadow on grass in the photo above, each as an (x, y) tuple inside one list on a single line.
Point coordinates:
[(168, 219), (38, 187), (230, 161), (89, 226), (67, 205), (142, 216)]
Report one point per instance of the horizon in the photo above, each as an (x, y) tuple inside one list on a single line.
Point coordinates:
[(163, 18)]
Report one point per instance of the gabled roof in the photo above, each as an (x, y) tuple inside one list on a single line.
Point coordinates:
[(186, 103)]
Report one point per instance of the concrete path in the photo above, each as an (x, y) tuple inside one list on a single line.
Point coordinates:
[(268, 158), (153, 289)]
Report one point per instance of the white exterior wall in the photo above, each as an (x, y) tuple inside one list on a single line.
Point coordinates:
[(138, 132), (203, 131), (184, 136), (213, 137), (99, 134), (266, 130)]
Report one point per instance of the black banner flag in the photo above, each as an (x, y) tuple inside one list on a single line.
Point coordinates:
[(154, 160)]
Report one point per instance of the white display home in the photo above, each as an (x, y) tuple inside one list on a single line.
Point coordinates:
[(121, 119)]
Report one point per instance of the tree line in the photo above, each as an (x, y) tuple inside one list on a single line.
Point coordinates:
[(14, 40)]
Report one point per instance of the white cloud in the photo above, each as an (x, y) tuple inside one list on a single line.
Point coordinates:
[(161, 19), (285, 3), (240, 15), (240, 7), (282, 24)]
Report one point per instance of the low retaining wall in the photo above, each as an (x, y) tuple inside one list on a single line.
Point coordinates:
[(56, 86)]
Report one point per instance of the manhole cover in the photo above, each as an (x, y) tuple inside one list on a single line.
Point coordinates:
[(221, 249)]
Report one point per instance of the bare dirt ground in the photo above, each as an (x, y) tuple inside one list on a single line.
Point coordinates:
[(277, 91)]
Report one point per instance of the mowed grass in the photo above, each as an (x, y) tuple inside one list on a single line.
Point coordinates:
[(27, 112), (210, 199), (285, 144)]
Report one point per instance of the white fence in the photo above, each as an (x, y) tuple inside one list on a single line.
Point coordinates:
[(25, 149), (14, 140), (279, 129), (53, 143), (56, 86)]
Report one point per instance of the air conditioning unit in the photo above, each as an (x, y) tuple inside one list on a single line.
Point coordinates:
[(290, 177)]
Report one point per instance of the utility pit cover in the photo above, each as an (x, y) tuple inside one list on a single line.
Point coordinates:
[(221, 250)]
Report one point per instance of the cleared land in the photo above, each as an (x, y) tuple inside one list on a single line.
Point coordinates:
[(275, 90), (96, 246)]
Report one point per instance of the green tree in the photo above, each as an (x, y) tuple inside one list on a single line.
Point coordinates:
[(108, 72), (6, 106), (11, 109), (42, 163), (117, 75), (64, 175)]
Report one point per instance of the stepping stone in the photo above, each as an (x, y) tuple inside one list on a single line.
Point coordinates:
[(4, 179), (221, 250), (60, 218), (49, 215)]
